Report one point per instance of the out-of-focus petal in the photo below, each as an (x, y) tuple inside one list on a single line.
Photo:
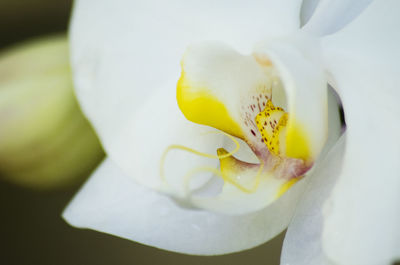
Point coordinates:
[(363, 215), (124, 51), (113, 203), (332, 15), (45, 141)]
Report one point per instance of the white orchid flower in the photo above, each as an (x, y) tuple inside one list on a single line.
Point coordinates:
[(249, 70)]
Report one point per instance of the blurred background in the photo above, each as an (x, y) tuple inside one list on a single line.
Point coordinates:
[(40, 174)]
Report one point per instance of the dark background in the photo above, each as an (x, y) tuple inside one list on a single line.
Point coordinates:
[(31, 229)]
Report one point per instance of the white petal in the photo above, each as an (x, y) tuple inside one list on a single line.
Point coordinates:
[(302, 245), (233, 201), (332, 15), (113, 203), (123, 51), (363, 215), (307, 10), (139, 147)]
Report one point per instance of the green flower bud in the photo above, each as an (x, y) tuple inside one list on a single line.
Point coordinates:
[(45, 141)]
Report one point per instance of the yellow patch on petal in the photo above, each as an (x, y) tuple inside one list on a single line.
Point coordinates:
[(200, 106), (297, 143), (285, 187)]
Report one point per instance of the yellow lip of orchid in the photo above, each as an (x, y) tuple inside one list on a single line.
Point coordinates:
[(202, 107), (236, 94)]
